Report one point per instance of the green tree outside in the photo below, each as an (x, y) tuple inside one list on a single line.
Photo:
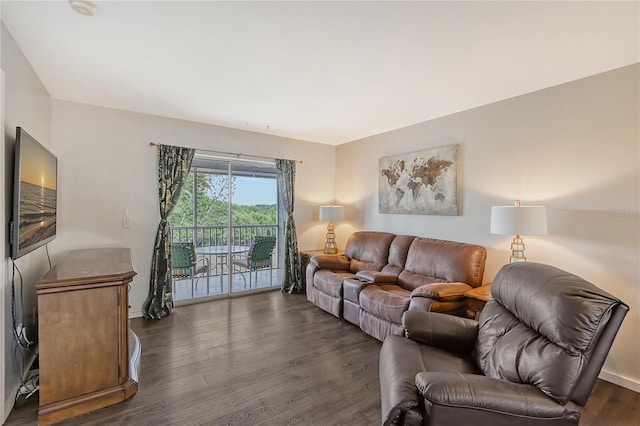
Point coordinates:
[(213, 192)]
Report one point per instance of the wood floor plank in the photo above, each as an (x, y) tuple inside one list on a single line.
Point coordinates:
[(269, 359), (621, 406)]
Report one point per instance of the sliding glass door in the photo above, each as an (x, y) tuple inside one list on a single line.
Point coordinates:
[(254, 218), (229, 210)]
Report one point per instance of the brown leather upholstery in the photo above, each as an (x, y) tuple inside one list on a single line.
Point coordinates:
[(381, 310), (351, 299), (377, 277), (532, 358), (398, 252), (408, 273), (435, 276), (368, 251), (325, 274), (327, 289), (431, 260)]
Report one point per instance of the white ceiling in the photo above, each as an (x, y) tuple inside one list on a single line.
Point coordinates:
[(328, 72)]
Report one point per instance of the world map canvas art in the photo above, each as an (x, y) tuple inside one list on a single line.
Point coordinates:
[(423, 182)]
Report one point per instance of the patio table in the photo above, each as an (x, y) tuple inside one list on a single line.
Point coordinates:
[(221, 253)]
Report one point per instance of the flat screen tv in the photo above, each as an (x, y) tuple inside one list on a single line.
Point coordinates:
[(34, 195)]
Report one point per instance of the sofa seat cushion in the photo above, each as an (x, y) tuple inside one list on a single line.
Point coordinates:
[(330, 282), (386, 301), (395, 289)]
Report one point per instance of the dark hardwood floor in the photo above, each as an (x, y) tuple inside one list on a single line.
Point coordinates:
[(270, 359)]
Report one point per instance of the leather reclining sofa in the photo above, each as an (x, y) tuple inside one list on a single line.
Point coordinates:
[(532, 358), (382, 275)]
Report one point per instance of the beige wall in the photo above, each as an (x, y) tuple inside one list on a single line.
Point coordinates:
[(106, 167), (26, 104), (574, 148)]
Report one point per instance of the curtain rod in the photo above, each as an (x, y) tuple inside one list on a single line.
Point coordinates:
[(238, 155)]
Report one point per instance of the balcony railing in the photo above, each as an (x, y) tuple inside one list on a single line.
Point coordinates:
[(203, 236), (241, 235)]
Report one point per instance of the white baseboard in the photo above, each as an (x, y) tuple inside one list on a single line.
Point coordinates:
[(616, 379), (135, 314)]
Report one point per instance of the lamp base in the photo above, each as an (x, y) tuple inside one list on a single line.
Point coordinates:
[(517, 250), (330, 247)]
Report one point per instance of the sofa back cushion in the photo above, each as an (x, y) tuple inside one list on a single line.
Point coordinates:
[(398, 254), (430, 260), (542, 327), (368, 250)]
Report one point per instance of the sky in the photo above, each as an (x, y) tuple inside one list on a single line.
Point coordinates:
[(36, 165), (251, 191)]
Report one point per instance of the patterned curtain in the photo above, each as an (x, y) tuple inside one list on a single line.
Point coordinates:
[(173, 166), (291, 282)]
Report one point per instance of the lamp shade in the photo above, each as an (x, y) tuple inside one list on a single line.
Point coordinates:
[(525, 220), (331, 213)]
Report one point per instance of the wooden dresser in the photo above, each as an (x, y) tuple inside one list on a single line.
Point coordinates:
[(87, 352)]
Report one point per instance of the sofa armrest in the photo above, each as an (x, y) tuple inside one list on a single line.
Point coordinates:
[(331, 262), (377, 277), (444, 292), (441, 330), (487, 398)]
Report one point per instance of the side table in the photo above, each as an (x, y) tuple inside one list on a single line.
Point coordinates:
[(305, 258), (476, 299)]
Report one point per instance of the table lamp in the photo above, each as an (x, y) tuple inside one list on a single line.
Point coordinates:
[(331, 214), (518, 220)]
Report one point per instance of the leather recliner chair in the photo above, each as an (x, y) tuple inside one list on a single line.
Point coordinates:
[(532, 357)]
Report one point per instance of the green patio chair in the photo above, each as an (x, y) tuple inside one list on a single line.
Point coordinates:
[(259, 256), (184, 264)]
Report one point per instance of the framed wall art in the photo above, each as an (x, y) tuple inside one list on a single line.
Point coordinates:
[(422, 182)]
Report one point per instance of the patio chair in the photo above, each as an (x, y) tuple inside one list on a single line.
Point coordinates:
[(184, 264), (258, 257)]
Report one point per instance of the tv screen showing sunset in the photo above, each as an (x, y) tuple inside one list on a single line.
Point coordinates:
[(38, 193)]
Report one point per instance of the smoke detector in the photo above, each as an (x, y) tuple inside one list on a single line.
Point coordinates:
[(84, 7)]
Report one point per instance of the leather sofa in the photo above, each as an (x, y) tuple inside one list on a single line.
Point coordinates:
[(382, 275), (532, 357)]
